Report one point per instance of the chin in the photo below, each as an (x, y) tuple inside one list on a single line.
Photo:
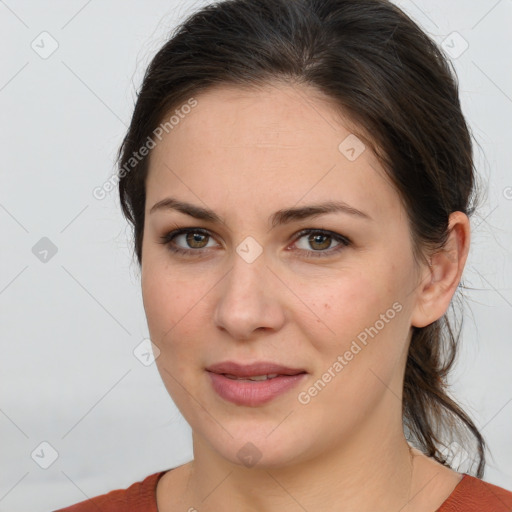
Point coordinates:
[(260, 451)]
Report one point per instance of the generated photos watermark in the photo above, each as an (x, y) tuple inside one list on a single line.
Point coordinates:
[(137, 156), (357, 345)]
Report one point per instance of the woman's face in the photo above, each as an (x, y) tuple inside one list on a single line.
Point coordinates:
[(335, 302)]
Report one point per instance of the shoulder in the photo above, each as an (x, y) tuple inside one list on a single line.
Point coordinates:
[(140, 494), (475, 495)]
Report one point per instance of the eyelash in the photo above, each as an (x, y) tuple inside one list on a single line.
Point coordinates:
[(167, 240)]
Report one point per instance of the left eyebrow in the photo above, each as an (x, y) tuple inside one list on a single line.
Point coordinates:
[(281, 217), (288, 215)]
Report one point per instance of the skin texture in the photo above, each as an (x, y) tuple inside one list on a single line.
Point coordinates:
[(246, 154)]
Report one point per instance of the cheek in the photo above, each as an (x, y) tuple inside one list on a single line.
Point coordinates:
[(359, 362), (166, 303), (176, 312), (345, 305), (362, 319), (173, 315)]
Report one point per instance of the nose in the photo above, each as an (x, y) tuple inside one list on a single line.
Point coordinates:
[(249, 300)]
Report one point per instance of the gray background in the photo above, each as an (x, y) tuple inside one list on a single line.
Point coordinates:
[(70, 321)]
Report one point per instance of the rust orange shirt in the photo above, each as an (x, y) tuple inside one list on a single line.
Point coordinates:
[(470, 495)]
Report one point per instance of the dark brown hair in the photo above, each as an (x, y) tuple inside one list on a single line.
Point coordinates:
[(393, 82)]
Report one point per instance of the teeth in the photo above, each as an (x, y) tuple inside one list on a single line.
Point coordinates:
[(255, 377), (263, 377)]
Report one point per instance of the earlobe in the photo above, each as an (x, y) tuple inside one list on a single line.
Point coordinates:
[(442, 276)]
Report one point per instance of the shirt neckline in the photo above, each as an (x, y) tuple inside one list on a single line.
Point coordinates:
[(448, 501), (455, 492)]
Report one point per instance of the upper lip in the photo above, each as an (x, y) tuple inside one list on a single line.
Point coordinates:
[(253, 369)]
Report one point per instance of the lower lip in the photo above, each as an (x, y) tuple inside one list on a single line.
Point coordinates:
[(253, 393)]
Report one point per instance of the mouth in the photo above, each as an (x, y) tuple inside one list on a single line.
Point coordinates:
[(254, 384), (252, 377), (262, 370)]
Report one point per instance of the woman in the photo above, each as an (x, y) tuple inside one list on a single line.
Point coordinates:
[(299, 176)]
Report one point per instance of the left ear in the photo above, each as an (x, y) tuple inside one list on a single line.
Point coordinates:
[(441, 278)]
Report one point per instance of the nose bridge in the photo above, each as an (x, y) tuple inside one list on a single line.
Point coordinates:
[(246, 282), (248, 268)]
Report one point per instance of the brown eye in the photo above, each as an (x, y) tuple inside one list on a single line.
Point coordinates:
[(318, 243), (187, 241), (196, 240)]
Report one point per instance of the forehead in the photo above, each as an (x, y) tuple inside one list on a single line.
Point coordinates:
[(274, 116), (286, 141)]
